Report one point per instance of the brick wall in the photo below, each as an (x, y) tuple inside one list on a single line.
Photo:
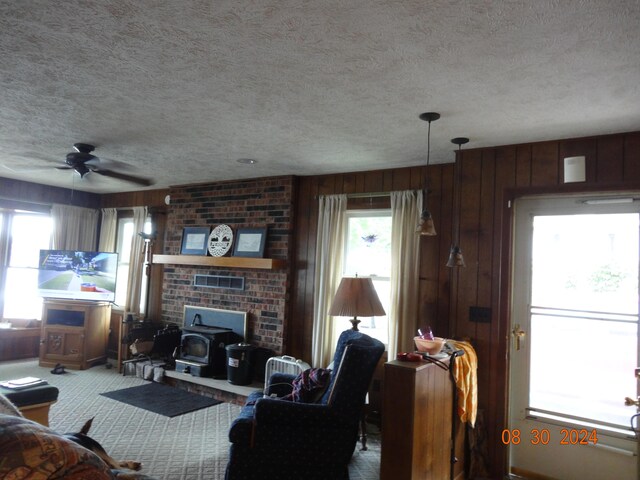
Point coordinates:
[(243, 203)]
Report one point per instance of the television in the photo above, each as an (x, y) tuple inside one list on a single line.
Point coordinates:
[(77, 275)]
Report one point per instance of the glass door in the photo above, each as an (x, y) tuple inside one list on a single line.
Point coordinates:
[(574, 331)]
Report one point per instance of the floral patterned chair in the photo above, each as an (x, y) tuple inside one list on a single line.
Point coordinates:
[(279, 439)]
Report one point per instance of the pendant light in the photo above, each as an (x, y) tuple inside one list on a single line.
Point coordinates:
[(456, 259), (426, 226)]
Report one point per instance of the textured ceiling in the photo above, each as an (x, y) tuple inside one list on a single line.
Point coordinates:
[(179, 90)]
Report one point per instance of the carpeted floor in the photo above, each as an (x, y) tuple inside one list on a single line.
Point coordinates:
[(192, 446)]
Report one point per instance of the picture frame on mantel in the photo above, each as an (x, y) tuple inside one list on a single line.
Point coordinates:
[(250, 242), (194, 241)]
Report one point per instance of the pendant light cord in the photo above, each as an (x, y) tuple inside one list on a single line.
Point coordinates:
[(428, 117), (426, 171)]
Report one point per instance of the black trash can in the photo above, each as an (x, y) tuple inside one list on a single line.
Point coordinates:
[(239, 367)]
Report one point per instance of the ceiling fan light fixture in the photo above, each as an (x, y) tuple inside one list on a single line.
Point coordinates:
[(79, 161), (81, 169), (83, 147)]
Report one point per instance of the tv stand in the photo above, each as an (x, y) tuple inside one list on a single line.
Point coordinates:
[(74, 333)]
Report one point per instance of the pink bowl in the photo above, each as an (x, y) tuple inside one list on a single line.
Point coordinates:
[(432, 347)]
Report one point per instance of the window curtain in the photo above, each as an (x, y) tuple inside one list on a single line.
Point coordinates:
[(74, 228), (405, 270), (132, 304), (108, 229), (329, 253)]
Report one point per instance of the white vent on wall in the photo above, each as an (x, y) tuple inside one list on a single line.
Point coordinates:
[(574, 169), (218, 281)]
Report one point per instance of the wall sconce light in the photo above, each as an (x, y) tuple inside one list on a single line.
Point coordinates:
[(426, 226)]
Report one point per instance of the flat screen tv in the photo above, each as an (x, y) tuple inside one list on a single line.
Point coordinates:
[(77, 275)]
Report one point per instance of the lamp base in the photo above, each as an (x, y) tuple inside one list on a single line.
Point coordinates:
[(354, 321)]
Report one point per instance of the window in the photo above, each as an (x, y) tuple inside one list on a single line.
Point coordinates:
[(124, 243), (368, 254), (22, 236), (586, 299)]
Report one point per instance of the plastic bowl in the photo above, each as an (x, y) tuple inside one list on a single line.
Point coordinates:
[(432, 347)]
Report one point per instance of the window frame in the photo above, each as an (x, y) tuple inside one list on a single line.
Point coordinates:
[(123, 218), (7, 215), (369, 213)]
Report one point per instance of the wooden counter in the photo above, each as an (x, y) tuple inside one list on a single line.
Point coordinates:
[(417, 408)]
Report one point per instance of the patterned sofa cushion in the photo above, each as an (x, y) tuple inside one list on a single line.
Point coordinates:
[(29, 450)]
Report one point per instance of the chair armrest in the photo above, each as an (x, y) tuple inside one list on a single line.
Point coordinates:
[(240, 431), (280, 384)]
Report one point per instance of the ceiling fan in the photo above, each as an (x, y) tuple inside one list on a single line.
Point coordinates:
[(84, 162)]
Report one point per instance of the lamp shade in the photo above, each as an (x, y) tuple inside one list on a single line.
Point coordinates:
[(356, 297), (455, 257), (426, 225)]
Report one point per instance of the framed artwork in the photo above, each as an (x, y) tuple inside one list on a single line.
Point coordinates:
[(250, 242), (194, 241), (220, 240)]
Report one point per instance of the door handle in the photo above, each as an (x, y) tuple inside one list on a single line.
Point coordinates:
[(519, 334), (630, 402)]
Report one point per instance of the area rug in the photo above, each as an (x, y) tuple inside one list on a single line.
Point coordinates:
[(161, 399)]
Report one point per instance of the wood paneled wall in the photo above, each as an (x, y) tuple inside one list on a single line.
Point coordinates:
[(150, 198), (487, 179), (434, 276), (19, 191)]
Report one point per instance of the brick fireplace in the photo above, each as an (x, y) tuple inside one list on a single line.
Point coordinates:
[(246, 203)]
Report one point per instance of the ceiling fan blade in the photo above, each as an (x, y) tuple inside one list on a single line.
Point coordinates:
[(127, 178), (27, 169)]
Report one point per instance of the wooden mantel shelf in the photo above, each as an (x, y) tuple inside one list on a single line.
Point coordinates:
[(233, 262)]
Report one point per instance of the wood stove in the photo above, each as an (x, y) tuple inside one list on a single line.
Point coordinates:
[(202, 350)]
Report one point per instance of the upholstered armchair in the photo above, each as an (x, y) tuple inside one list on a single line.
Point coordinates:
[(279, 439)]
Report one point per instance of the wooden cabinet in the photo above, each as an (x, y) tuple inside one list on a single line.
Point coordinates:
[(18, 343), (417, 408), (74, 333)]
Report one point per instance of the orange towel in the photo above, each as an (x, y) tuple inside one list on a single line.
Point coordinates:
[(466, 378)]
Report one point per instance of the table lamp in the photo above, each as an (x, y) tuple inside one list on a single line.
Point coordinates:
[(356, 297)]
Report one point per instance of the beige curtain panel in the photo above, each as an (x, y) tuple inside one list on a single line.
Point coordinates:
[(329, 252), (74, 228), (134, 285), (108, 228), (405, 270)]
